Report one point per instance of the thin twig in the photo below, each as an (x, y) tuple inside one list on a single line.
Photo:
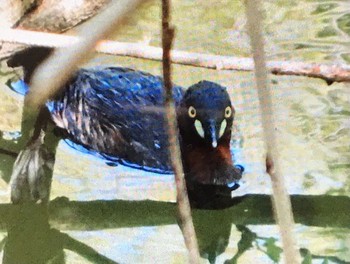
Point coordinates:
[(281, 199), (328, 72), (184, 209)]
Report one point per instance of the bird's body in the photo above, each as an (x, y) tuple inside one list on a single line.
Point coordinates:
[(118, 112)]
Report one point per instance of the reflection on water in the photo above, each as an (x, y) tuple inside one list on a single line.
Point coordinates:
[(30, 238), (129, 231), (313, 131)]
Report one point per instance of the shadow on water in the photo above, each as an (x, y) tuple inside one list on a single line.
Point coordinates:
[(30, 238), (34, 231)]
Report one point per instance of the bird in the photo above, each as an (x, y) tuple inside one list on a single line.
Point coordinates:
[(119, 113)]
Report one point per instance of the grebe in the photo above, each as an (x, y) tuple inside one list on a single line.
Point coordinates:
[(119, 112)]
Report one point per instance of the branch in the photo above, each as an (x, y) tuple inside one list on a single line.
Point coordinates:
[(281, 199), (184, 209), (329, 73)]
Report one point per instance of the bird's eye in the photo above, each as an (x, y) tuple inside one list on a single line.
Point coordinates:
[(192, 112), (228, 112)]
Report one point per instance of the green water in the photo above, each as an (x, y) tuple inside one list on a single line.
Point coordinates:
[(312, 125)]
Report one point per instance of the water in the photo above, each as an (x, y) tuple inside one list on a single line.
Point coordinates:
[(313, 131)]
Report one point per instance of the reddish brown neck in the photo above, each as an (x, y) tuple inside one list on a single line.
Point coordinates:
[(203, 164)]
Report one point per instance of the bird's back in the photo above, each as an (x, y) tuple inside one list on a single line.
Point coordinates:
[(118, 112)]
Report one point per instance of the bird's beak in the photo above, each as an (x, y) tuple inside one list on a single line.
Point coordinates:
[(213, 134)]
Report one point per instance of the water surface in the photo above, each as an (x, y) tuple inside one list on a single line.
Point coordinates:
[(312, 125)]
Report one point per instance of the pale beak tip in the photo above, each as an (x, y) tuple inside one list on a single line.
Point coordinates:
[(214, 144)]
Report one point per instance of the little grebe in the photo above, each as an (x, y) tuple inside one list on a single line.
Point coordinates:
[(119, 112)]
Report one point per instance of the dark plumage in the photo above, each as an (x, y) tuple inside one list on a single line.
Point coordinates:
[(119, 113)]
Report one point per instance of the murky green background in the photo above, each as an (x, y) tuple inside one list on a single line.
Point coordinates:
[(313, 129)]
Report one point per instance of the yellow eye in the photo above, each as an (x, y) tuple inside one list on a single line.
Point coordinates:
[(192, 112), (228, 112)]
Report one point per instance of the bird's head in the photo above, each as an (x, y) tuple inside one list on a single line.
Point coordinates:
[(206, 115)]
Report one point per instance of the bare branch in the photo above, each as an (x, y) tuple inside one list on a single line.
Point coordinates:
[(281, 199), (328, 72), (184, 209)]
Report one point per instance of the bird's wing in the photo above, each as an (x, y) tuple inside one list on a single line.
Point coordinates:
[(118, 112)]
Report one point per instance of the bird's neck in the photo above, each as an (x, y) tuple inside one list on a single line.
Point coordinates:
[(205, 162)]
